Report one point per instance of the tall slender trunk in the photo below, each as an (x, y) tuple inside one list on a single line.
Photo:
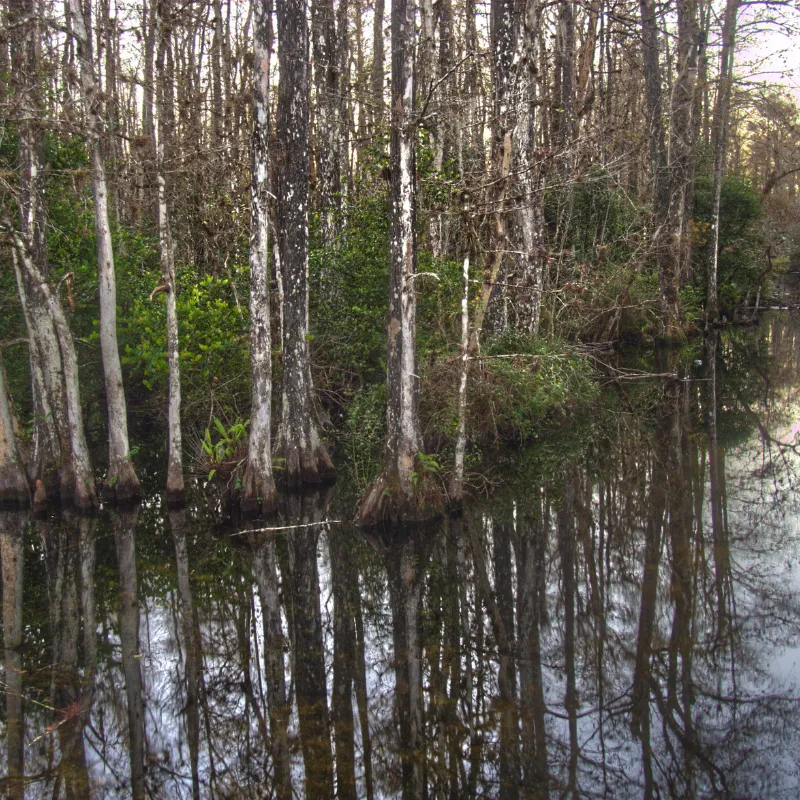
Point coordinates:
[(191, 645), (719, 140), (259, 483), (125, 539), (71, 568), (456, 497), (306, 459), (531, 213), (406, 553), (165, 152), (309, 661), (503, 40), (50, 461), (328, 92), (507, 675), (121, 482), (13, 486), (683, 143), (217, 106), (362, 696), (344, 579), (265, 562), (531, 688), (656, 503), (12, 560), (396, 493), (377, 63), (565, 71), (566, 547), (664, 255)]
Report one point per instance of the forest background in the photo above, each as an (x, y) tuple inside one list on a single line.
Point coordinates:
[(594, 173)]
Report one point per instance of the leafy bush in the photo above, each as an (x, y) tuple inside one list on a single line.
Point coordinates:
[(214, 355), (741, 246), (520, 386)]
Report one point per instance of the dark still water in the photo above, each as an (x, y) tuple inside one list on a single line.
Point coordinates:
[(619, 617)]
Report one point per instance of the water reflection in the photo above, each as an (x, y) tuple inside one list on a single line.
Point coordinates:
[(623, 622)]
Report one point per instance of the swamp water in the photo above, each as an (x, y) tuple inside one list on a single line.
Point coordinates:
[(620, 617)]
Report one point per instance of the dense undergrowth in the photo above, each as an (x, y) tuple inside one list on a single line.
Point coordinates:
[(600, 286)]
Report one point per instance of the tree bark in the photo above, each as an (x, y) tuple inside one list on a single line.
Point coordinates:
[(121, 482), (667, 267), (328, 92), (377, 63), (13, 485), (49, 460), (683, 155), (81, 489), (175, 487), (12, 560), (400, 492), (719, 140), (531, 213), (190, 629), (344, 583), (265, 570), (309, 656), (306, 459), (125, 538), (259, 483)]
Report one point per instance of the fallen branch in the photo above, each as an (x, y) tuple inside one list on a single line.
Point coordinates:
[(288, 527)]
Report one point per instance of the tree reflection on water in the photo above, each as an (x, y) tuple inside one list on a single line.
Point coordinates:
[(622, 622)]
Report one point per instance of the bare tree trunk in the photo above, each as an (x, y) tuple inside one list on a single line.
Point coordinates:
[(503, 39), (457, 489), (531, 688), (13, 485), (265, 570), (344, 582), (399, 492), (191, 645), (121, 482), (531, 213), (45, 453), (377, 63), (406, 553), (507, 680), (566, 547), (67, 567), (217, 109), (565, 71), (362, 697), (50, 451), (328, 92), (667, 267), (12, 560), (306, 459), (175, 487), (719, 140), (309, 661), (682, 155), (125, 538), (81, 491), (259, 483)]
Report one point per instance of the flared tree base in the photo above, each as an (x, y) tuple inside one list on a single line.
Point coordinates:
[(84, 496), (260, 498), (176, 491), (306, 467), (386, 502), (14, 492), (121, 485)]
